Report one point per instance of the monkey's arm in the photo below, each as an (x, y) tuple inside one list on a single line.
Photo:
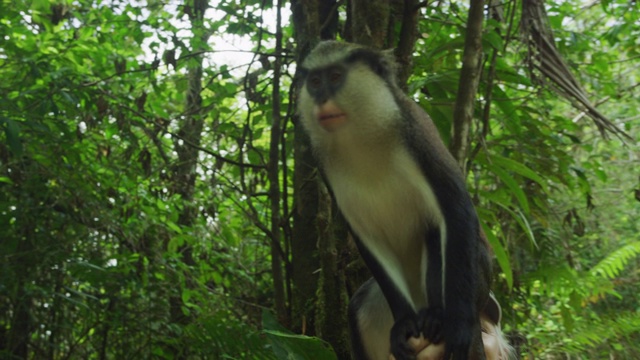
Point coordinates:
[(464, 261)]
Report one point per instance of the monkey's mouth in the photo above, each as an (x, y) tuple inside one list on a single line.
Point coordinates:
[(329, 115), (332, 121)]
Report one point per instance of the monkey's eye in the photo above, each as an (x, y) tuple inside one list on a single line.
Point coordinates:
[(335, 76), (315, 81)]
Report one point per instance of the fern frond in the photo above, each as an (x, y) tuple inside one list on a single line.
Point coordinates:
[(598, 333), (611, 266)]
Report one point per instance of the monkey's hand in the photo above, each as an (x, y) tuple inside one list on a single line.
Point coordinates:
[(430, 321), (401, 331)]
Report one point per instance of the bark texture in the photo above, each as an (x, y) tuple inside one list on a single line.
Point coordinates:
[(304, 259)]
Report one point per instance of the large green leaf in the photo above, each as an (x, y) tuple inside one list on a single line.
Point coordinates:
[(290, 346)]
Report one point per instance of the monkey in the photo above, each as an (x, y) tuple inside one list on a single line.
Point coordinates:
[(405, 201)]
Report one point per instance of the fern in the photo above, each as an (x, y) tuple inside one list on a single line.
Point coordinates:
[(611, 266), (594, 334)]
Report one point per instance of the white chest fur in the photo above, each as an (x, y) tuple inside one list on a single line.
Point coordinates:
[(389, 204)]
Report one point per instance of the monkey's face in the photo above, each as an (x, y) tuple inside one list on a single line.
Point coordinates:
[(344, 97), (322, 87)]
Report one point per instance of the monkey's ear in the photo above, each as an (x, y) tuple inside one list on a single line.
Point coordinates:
[(388, 60), (389, 53)]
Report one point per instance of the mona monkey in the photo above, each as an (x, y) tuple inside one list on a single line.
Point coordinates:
[(405, 201)]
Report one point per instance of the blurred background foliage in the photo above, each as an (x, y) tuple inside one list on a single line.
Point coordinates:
[(139, 201)]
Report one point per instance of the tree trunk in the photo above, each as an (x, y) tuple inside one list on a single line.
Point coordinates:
[(187, 148), (369, 22), (468, 83), (21, 323), (274, 183), (407, 39), (304, 262), (332, 321), (322, 312)]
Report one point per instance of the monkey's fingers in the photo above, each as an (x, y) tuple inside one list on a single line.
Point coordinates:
[(401, 332), (431, 322)]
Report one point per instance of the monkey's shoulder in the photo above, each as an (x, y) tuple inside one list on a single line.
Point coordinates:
[(423, 141)]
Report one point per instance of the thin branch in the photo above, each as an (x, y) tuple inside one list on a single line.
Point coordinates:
[(217, 156)]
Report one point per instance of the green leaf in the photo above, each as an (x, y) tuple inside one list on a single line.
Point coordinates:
[(176, 242), (501, 254), (173, 226), (287, 345), (506, 73), (513, 186), (186, 295), (515, 166), (575, 300), (501, 99), (567, 318), (111, 130), (12, 131), (519, 217), (216, 277), (493, 39)]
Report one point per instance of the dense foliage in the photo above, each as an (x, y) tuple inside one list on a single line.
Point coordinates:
[(137, 189)]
